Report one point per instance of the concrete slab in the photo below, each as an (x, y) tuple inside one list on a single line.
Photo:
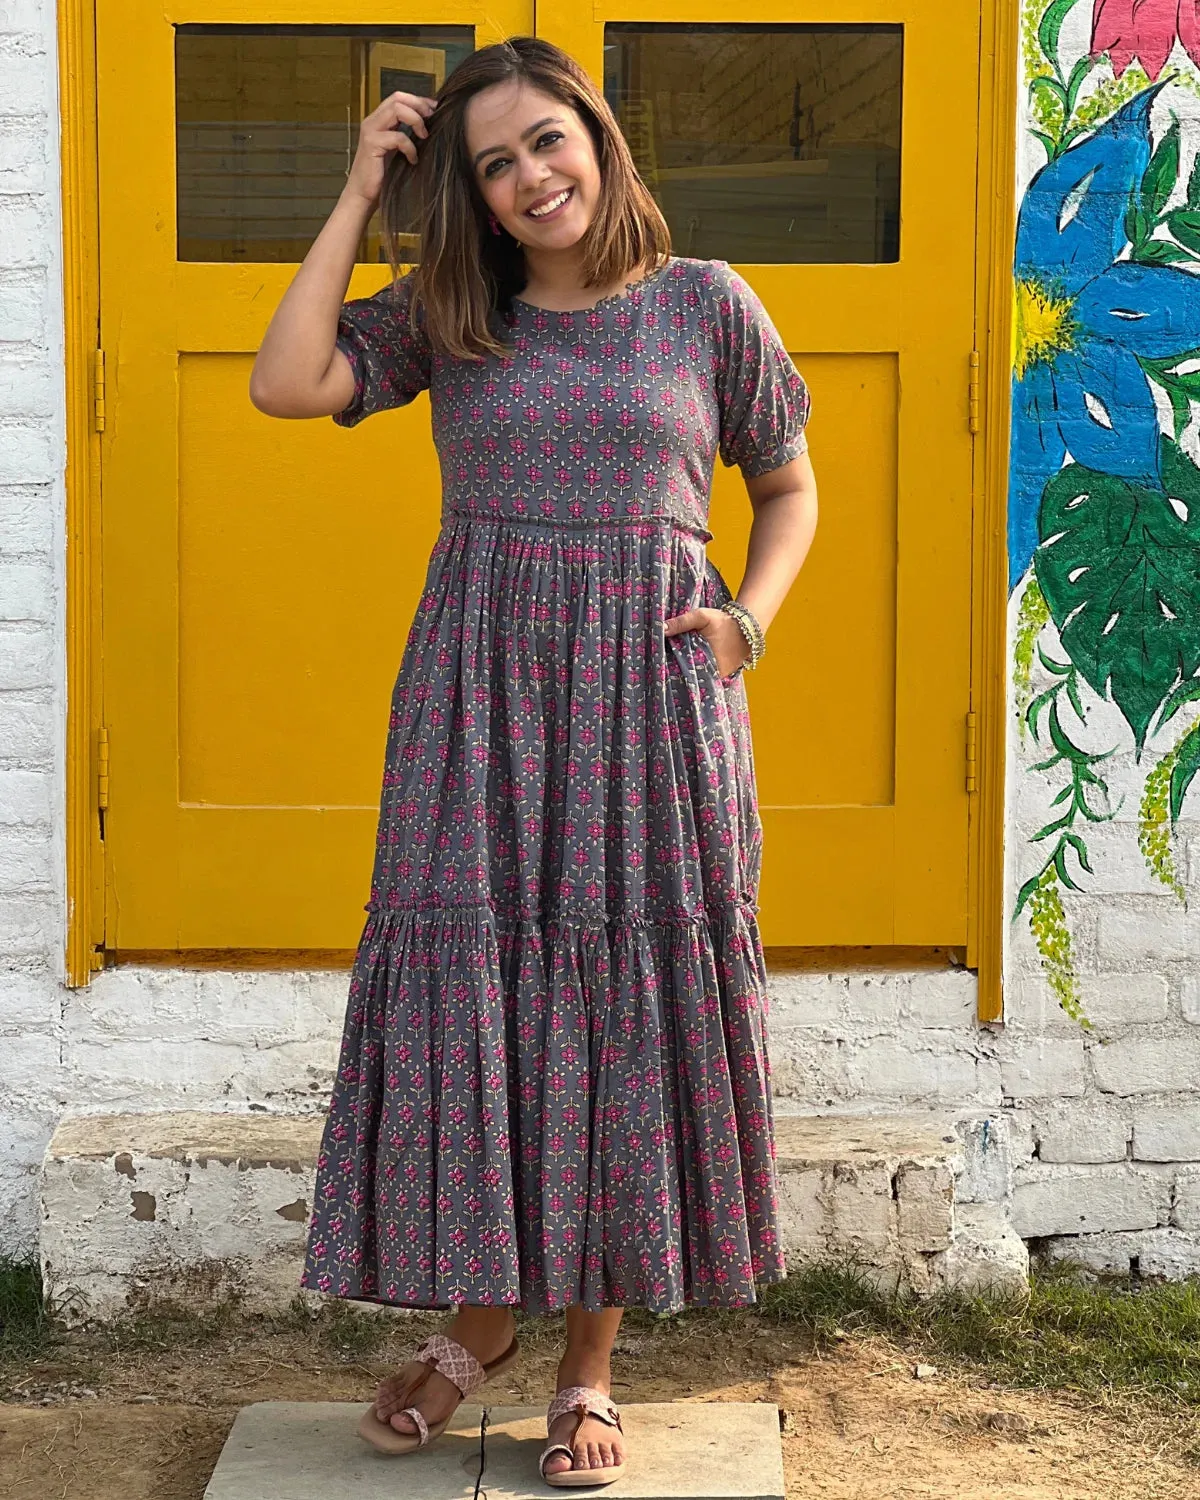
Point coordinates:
[(292, 1450)]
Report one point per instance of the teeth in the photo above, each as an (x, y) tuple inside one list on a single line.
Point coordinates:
[(554, 203)]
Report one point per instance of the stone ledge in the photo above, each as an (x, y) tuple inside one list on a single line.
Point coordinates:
[(147, 1207)]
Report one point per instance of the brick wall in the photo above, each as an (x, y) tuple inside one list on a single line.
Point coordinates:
[(31, 614)]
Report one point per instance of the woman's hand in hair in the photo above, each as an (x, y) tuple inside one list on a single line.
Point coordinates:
[(380, 134)]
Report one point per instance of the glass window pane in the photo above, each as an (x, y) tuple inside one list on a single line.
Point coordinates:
[(267, 124), (765, 143)]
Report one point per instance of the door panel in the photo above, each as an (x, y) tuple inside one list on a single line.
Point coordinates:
[(260, 577), (831, 157)]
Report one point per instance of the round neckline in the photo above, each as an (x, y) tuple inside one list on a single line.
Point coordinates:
[(575, 312)]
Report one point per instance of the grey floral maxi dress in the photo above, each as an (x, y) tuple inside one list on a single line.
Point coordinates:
[(553, 1083)]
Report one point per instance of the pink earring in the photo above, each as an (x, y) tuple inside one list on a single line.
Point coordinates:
[(494, 222)]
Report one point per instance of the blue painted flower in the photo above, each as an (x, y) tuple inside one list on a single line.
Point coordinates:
[(1083, 316)]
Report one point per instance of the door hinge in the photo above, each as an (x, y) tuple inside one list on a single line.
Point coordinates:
[(102, 769), (973, 392), (972, 749), (98, 390)]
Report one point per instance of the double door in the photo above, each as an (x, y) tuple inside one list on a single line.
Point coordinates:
[(259, 577)]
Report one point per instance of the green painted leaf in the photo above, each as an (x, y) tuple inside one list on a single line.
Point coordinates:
[(1044, 84), (1120, 572), (1158, 180), (1136, 226), (1159, 253), (1187, 763), (1049, 28), (1184, 225), (1193, 192), (1078, 73), (1051, 148), (1186, 692)]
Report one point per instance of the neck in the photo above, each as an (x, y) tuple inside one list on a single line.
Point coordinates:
[(555, 275)]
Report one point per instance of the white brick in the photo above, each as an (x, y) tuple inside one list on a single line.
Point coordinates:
[(1042, 1068), (1081, 1133), (23, 145), (1167, 1132), (252, 1009), (28, 16), (1154, 1065), (25, 591), (32, 1067), (155, 1074), (24, 1135), (1189, 996), (28, 926), (135, 1005), (1030, 1008), (23, 301), (28, 1001), (25, 236), (1116, 1000), (29, 453), (1185, 1212), (28, 523), (26, 729), (877, 1000), (28, 388), (26, 661), (1084, 1200), (1145, 935), (24, 798), (24, 77), (1169, 1253), (887, 1068), (805, 999), (943, 1000), (26, 863)]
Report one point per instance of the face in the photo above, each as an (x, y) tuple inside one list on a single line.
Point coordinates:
[(534, 164)]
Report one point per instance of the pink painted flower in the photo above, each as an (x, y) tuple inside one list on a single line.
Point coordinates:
[(1146, 30)]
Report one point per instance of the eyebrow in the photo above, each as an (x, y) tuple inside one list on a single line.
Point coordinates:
[(525, 134)]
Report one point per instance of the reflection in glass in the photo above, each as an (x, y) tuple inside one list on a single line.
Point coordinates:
[(267, 122), (765, 143)]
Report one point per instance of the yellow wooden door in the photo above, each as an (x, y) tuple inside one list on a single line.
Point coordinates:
[(827, 148), (259, 577)]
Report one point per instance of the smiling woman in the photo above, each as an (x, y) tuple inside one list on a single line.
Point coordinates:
[(531, 128), (555, 1042)]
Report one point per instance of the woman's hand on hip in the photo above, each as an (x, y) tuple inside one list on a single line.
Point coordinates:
[(380, 134), (720, 630)]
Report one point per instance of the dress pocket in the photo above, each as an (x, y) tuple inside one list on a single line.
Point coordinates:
[(710, 656)]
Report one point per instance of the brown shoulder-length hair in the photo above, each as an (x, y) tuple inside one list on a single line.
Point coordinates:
[(467, 275)]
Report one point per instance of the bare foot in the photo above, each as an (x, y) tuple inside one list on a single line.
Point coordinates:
[(597, 1444), (485, 1331)]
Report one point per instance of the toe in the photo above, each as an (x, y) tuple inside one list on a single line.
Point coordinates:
[(401, 1421)]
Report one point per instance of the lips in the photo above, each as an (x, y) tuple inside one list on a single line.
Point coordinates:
[(558, 199)]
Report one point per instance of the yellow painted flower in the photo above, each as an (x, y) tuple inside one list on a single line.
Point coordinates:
[(1043, 327)]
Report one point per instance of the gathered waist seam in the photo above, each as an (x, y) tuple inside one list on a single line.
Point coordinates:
[(573, 523)]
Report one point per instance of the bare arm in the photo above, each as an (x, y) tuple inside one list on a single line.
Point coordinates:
[(785, 520), (299, 370)]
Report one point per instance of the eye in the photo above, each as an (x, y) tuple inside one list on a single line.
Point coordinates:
[(550, 135), (493, 165)]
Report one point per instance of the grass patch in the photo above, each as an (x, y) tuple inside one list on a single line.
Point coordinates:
[(1073, 1333), (25, 1329)]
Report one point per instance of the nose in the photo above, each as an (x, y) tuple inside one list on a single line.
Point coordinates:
[(531, 173)]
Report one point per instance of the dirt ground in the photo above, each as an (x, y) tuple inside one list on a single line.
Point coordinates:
[(855, 1423)]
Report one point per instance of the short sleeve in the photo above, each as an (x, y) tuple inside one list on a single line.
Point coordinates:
[(389, 357), (764, 402)]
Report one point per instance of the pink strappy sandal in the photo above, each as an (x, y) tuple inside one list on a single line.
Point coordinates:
[(582, 1399), (439, 1351)]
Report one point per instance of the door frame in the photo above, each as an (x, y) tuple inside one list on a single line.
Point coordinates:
[(83, 390)]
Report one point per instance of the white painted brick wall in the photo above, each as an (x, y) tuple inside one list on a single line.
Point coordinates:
[(32, 1075)]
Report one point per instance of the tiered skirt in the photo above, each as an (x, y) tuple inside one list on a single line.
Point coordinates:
[(553, 1083)]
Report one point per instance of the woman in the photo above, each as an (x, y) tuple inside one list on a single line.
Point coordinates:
[(554, 1089)]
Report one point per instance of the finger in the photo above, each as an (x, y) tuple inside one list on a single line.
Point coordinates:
[(690, 619), (409, 113), (397, 140)]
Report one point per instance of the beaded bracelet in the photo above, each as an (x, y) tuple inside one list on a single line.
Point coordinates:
[(752, 631)]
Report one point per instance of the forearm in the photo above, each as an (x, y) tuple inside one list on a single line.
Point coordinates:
[(292, 371), (785, 521)]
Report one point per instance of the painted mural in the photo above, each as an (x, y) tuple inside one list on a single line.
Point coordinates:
[(1104, 500)]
